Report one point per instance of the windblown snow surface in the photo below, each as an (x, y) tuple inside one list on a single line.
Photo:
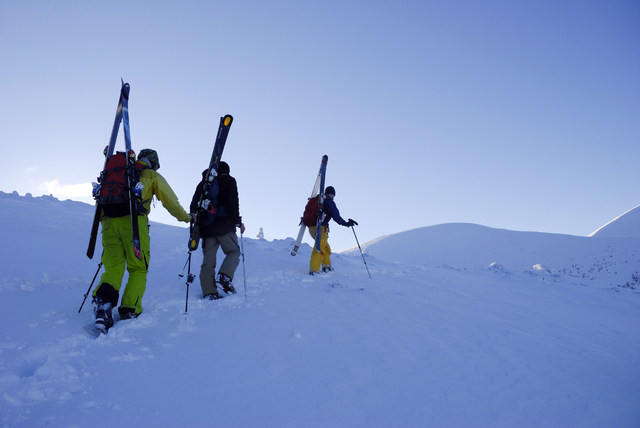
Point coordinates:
[(460, 325)]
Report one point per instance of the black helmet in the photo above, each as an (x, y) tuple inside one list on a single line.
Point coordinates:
[(223, 168), (150, 157)]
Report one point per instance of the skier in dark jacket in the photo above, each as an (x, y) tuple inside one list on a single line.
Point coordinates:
[(324, 256), (222, 233)]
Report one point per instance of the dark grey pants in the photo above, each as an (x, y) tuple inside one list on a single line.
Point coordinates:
[(231, 250)]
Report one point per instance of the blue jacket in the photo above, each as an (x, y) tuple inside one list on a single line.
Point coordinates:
[(331, 211)]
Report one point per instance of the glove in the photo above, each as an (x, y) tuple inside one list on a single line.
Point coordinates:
[(351, 223)]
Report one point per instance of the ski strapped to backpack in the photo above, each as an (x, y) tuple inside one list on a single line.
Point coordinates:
[(124, 94), (312, 209), (321, 197), (208, 208), (208, 205), (112, 193), (122, 116)]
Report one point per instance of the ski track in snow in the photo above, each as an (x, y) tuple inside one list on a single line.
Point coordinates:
[(428, 341)]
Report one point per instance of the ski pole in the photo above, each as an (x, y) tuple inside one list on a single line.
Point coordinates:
[(244, 274), (181, 274), (90, 286), (361, 253), (190, 278)]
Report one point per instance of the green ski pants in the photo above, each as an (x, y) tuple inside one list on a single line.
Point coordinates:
[(118, 254)]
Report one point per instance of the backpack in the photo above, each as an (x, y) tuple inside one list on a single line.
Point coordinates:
[(311, 211), (208, 205), (113, 192)]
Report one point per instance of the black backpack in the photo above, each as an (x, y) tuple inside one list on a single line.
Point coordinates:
[(208, 208), (112, 194)]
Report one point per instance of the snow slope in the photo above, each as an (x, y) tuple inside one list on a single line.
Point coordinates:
[(559, 258), (457, 328), (625, 226)]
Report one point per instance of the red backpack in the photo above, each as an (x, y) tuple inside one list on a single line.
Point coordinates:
[(113, 193), (311, 211)]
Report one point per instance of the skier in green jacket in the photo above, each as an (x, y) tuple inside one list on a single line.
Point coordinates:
[(118, 249)]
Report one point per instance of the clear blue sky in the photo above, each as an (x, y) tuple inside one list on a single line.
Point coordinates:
[(510, 114)]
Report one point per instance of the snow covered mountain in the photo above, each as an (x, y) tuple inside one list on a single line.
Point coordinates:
[(460, 326), (572, 259), (625, 226)]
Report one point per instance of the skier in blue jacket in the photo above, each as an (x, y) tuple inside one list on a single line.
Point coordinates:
[(323, 258)]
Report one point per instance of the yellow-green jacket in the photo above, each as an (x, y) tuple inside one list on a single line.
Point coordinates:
[(116, 235), (155, 184)]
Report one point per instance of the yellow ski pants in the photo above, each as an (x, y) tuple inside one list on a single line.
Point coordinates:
[(324, 256)]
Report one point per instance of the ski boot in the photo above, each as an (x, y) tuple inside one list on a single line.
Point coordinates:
[(102, 312), (225, 283), (127, 313)]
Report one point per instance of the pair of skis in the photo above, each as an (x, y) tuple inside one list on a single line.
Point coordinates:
[(122, 115), (212, 173), (318, 191)]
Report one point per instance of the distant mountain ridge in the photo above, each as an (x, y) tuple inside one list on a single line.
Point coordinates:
[(472, 246)]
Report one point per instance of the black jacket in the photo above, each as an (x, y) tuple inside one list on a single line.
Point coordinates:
[(227, 204)]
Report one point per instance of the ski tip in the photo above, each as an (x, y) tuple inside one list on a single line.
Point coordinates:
[(125, 89), (325, 158), (227, 120)]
